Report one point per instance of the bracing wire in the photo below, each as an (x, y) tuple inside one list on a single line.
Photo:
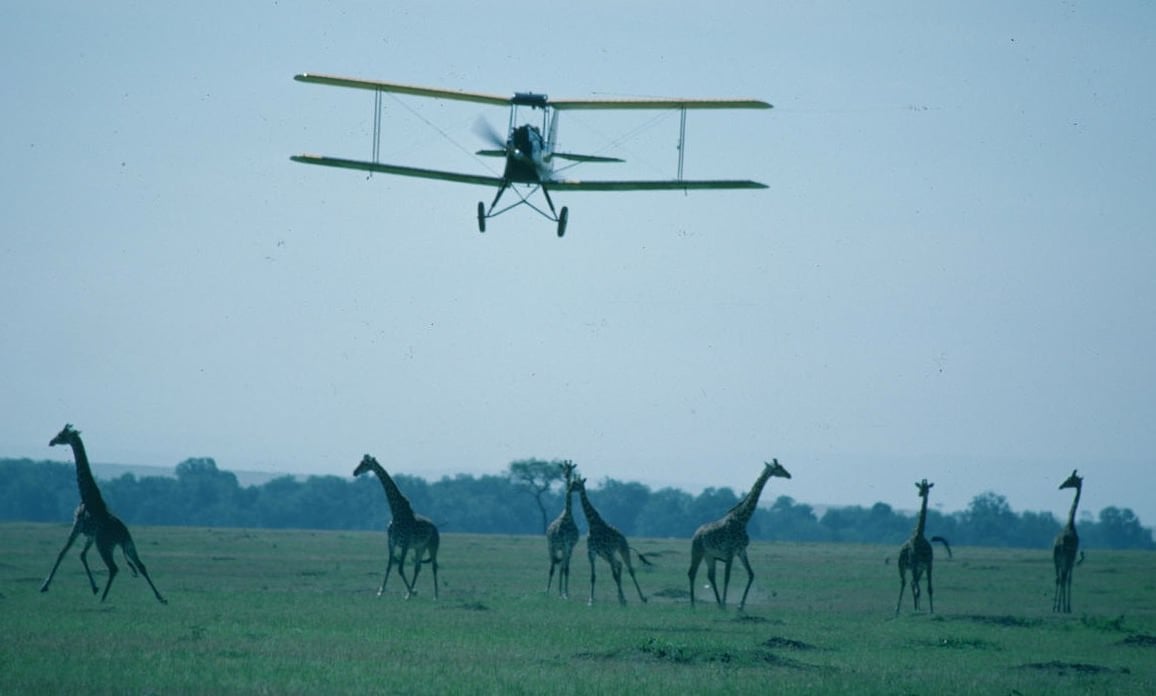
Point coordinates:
[(441, 132), (376, 129)]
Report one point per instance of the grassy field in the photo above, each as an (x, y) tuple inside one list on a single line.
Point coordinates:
[(280, 612)]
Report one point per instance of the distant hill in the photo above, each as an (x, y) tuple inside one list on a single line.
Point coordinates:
[(244, 478)]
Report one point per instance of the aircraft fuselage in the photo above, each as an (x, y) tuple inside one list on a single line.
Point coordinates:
[(526, 156)]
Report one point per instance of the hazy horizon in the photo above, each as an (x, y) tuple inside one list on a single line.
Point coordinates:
[(105, 471)]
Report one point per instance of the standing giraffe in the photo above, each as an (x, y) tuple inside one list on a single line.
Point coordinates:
[(722, 539), (917, 555), (96, 523), (604, 540), (562, 537), (1064, 550), (406, 532)]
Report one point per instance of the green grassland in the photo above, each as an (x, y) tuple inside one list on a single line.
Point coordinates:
[(282, 612)]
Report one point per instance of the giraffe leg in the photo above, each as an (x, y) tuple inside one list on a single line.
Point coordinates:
[(132, 558), (1068, 591), (563, 572), (750, 577), (105, 551), (84, 562), (433, 562), (391, 543), (550, 579), (902, 585), (60, 556), (590, 555), (416, 570), (726, 579), (630, 568), (695, 559), (131, 566), (930, 592), (563, 576), (385, 578), (916, 575), (710, 576), (566, 569), (616, 573), (401, 571)]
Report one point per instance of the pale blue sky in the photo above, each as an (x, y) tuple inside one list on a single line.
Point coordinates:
[(949, 277)]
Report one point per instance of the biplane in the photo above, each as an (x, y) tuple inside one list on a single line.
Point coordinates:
[(529, 154)]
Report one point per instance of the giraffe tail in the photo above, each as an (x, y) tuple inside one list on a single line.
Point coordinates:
[(944, 542), (641, 556)]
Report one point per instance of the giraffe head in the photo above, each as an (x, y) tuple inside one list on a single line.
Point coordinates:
[(66, 436), (777, 469), (572, 482), (367, 464), (1073, 481), (924, 487), (567, 470), (578, 484)]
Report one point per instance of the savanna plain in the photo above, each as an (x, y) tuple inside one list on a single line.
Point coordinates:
[(284, 612)]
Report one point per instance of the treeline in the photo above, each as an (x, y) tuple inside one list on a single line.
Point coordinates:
[(518, 503)]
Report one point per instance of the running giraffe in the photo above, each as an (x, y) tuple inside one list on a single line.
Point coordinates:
[(96, 523), (1064, 549), (723, 539), (406, 532), (604, 540), (562, 537)]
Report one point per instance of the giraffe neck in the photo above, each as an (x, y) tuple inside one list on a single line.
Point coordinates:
[(592, 516), (922, 521), (746, 507), (1075, 504), (567, 507), (398, 504), (89, 493)]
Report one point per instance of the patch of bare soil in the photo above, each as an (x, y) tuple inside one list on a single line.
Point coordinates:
[(1062, 668), (1006, 620), (787, 643)]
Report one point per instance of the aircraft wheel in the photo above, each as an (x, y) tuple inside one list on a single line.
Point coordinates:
[(562, 219), (481, 217)]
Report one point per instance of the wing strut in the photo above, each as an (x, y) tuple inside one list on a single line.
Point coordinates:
[(681, 140), (376, 129)]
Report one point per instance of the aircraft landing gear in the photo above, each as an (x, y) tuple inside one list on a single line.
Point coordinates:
[(481, 217), (562, 219)]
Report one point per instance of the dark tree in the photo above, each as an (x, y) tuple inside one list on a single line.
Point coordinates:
[(537, 477), (1120, 529), (988, 521)]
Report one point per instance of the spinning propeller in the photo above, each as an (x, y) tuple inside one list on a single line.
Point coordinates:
[(487, 132)]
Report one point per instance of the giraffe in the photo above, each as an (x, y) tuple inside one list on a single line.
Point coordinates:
[(723, 539), (406, 532), (1064, 550), (604, 540), (562, 537), (96, 523), (917, 555)]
